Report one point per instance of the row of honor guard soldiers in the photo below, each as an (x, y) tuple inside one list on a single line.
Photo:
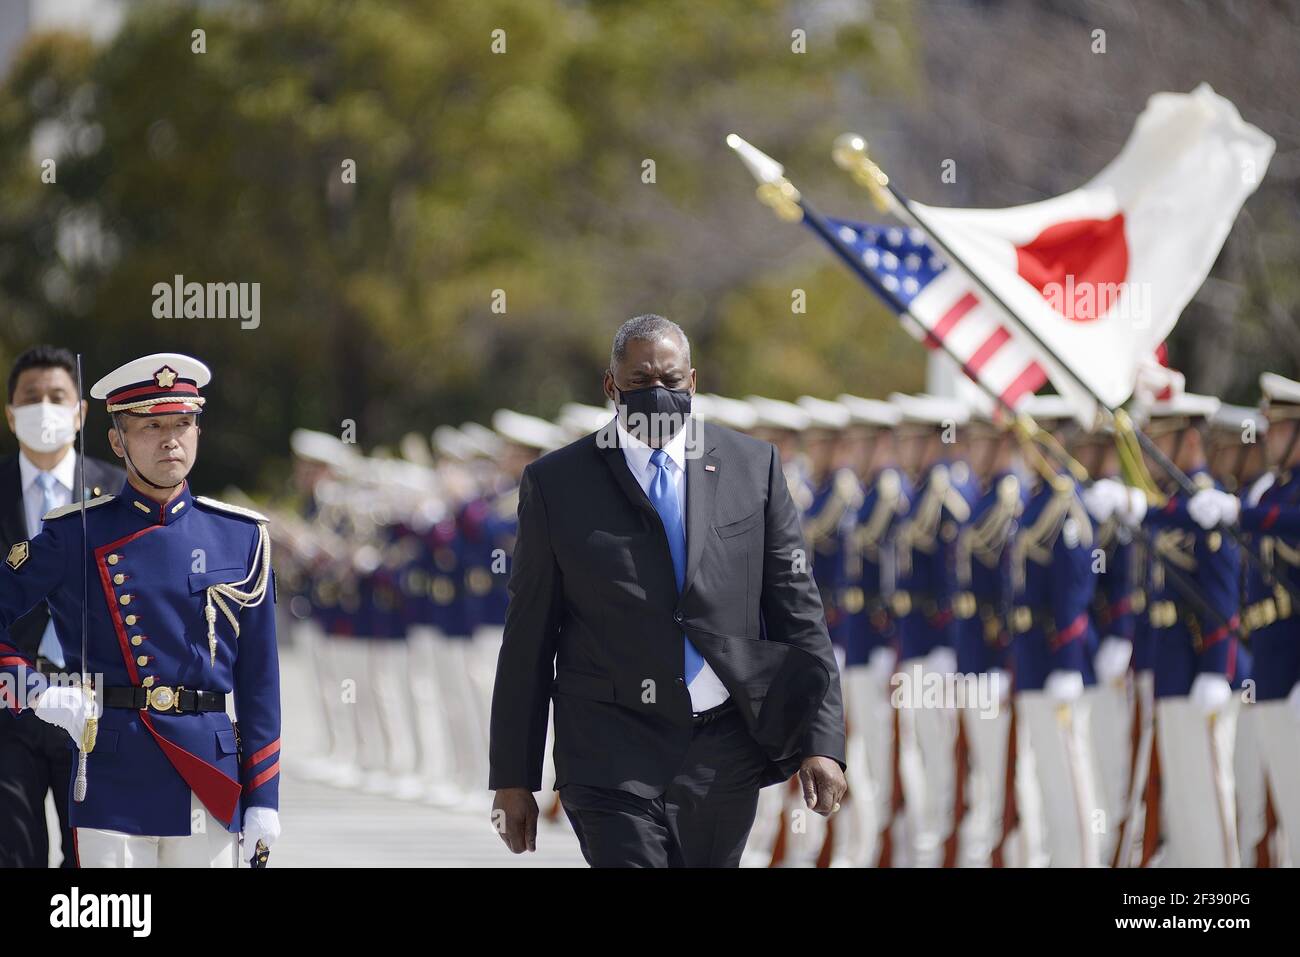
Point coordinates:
[(396, 567), (1044, 666), (1031, 656)]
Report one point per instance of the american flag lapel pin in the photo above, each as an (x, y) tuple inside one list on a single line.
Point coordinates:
[(710, 468)]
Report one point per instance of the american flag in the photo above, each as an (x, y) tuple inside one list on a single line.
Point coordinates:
[(944, 302)]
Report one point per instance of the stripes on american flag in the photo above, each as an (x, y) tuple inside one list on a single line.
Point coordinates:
[(944, 302)]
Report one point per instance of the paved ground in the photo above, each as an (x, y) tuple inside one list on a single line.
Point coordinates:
[(328, 826)]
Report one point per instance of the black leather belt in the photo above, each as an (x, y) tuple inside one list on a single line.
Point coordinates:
[(701, 718), (165, 700)]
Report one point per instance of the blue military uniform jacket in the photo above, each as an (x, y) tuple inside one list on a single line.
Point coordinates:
[(489, 526), (150, 568), (826, 522), (1273, 524), (1053, 585), (869, 575), (926, 549), (1184, 641), (983, 599)]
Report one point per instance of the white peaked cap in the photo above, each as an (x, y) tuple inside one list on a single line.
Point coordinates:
[(776, 414), (165, 383), (450, 440), (526, 430), (930, 409), (321, 447), (823, 414), (1278, 388), (1233, 417), (731, 413), (578, 418), (1184, 404), (1047, 408), (870, 411), (481, 440)]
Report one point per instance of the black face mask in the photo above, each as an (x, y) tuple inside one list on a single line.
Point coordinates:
[(654, 414)]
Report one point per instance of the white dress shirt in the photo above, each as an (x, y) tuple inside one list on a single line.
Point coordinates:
[(65, 477), (707, 690)]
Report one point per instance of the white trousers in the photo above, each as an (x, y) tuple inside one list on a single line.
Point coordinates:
[(927, 764), (208, 845), (1251, 784), (1073, 819), (1110, 717), (1279, 744), (1197, 798), (988, 736), (870, 767)]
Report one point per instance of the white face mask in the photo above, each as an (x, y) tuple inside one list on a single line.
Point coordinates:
[(44, 426)]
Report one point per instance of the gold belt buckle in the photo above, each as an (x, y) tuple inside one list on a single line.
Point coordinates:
[(165, 699)]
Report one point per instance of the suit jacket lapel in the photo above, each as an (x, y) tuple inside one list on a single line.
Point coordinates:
[(617, 462), (701, 490)]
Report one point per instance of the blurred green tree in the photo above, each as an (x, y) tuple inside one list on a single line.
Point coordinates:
[(478, 169)]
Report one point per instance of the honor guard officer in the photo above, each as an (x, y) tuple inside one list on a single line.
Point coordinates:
[(1116, 510), (1052, 585), (489, 525), (1236, 446), (179, 617), (983, 637), (836, 496), (782, 423), (923, 609), (1271, 517), (1193, 601), (870, 641)]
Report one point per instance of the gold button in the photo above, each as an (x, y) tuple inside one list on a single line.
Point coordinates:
[(114, 559), (119, 578), (142, 660), (125, 600), (136, 640), (148, 682), (130, 619)]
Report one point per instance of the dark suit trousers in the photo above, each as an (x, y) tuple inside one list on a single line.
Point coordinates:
[(702, 819), (34, 758)]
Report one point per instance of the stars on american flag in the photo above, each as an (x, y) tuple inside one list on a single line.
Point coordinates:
[(900, 258)]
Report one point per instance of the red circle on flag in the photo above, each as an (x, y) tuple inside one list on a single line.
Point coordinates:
[(1079, 265)]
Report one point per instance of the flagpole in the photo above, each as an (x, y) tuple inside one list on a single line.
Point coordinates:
[(850, 154), (777, 192)]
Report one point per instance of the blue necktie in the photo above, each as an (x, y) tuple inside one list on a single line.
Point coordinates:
[(663, 496), (50, 647)]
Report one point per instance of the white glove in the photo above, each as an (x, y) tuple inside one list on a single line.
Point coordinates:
[(943, 660), (1210, 508), (1229, 508), (1135, 508), (1064, 687), (1210, 693), (67, 708), (1103, 497), (260, 824), (1112, 658)]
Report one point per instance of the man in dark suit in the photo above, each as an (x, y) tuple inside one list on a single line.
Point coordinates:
[(661, 593), (35, 757)]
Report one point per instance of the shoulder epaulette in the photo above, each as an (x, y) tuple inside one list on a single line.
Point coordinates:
[(65, 510), (230, 509)]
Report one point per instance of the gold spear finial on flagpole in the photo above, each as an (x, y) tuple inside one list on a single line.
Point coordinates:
[(774, 189), (850, 155)]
